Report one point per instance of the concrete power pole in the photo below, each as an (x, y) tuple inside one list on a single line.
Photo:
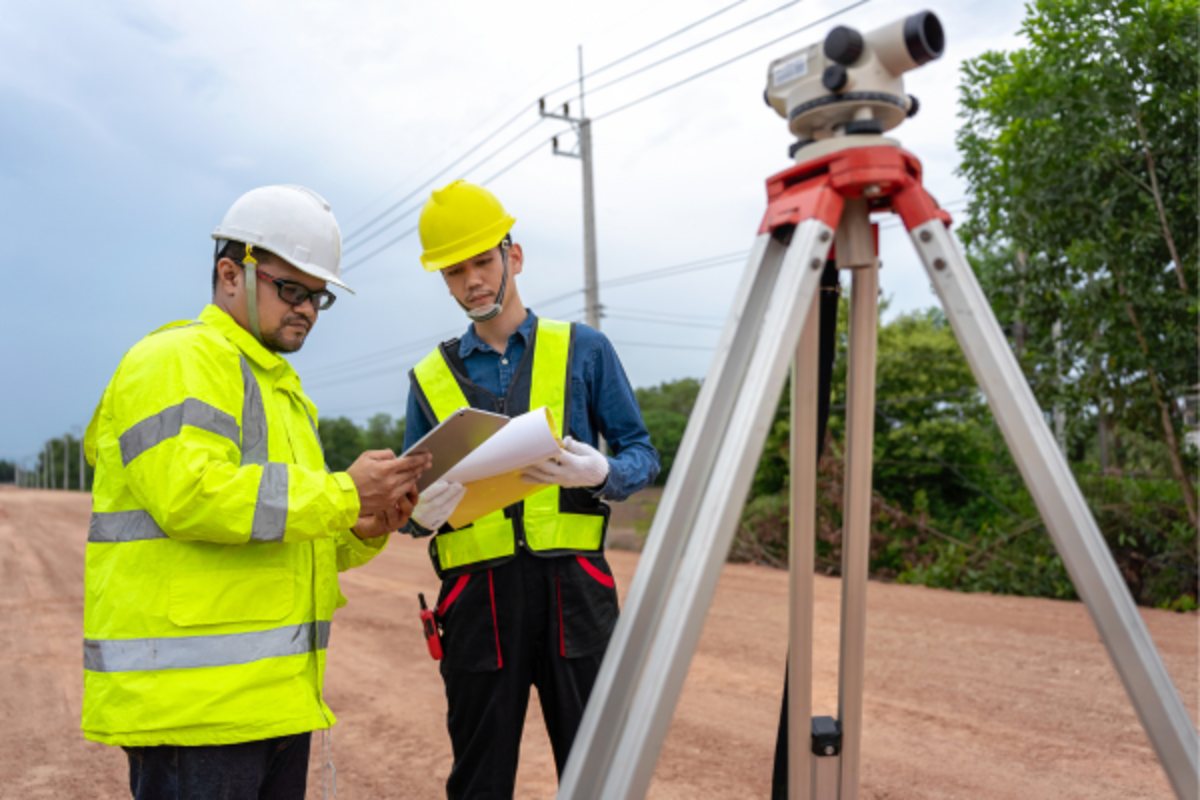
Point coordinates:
[(82, 468), (66, 462), (50, 464), (583, 129)]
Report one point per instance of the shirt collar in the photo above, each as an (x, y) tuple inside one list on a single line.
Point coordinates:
[(471, 342), (242, 339)]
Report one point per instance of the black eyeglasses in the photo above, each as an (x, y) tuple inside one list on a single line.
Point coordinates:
[(294, 293)]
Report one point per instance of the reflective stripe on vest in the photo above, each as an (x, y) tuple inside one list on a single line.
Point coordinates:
[(191, 652), (271, 505), (546, 528)]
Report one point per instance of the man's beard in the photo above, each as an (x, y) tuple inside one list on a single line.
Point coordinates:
[(273, 343)]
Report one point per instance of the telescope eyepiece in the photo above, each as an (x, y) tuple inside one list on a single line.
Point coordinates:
[(844, 45), (923, 37)]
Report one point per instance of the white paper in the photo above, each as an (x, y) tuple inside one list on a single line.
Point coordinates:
[(526, 440)]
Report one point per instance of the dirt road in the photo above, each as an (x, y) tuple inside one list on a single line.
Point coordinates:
[(967, 696)]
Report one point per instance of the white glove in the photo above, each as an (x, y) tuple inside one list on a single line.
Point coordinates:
[(577, 464), (437, 503)]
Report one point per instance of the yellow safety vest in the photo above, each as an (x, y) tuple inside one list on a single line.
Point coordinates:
[(214, 546), (553, 521)]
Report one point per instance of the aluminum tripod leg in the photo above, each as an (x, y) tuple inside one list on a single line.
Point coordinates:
[(856, 518), (1063, 508), (630, 709)]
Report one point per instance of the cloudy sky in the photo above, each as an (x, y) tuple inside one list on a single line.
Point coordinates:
[(128, 128)]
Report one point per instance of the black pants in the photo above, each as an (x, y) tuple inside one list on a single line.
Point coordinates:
[(533, 621), (271, 769)]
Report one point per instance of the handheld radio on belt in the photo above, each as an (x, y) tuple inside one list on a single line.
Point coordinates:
[(431, 633)]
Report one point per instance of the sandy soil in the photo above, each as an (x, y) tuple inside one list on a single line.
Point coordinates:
[(966, 696)]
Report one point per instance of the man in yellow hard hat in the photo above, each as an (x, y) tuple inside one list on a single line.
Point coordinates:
[(217, 534), (527, 597)]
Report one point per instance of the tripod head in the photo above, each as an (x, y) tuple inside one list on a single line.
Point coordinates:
[(852, 82)]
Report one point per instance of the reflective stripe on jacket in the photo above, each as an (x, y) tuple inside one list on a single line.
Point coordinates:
[(553, 521), (214, 546)]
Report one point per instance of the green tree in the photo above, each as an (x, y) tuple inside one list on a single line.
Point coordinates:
[(1080, 151), (343, 442), (665, 410)]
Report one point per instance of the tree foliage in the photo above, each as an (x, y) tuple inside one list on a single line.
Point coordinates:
[(344, 441), (665, 410), (1080, 151)]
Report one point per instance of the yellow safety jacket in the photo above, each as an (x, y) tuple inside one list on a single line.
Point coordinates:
[(554, 521), (214, 546)]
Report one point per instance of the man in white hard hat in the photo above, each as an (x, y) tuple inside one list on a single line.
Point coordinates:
[(217, 533), (527, 598)]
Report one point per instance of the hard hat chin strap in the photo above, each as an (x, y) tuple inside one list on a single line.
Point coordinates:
[(250, 263), (490, 312)]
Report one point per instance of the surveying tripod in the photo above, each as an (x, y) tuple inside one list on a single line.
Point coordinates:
[(825, 202)]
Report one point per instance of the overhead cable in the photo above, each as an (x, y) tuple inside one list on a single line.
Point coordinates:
[(394, 241), (641, 50), (453, 164), (690, 48), (392, 222), (691, 266), (727, 62), (660, 321)]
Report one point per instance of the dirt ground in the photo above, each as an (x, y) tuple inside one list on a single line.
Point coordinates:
[(966, 696)]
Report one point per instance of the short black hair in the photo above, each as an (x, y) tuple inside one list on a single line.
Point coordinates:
[(235, 251)]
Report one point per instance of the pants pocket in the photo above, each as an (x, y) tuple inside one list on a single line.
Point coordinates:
[(466, 613), (587, 606)]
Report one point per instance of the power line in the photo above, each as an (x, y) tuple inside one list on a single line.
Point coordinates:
[(678, 269), (517, 116), (667, 314), (664, 345), (641, 50), (652, 320), (531, 151), (392, 222), (392, 242), (726, 63), (453, 164), (696, 46)]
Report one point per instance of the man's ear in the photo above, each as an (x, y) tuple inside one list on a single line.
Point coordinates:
[(229, 276), (516, 259)]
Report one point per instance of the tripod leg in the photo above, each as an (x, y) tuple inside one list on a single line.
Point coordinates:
[(612, 695), (1063, 508), (618, 761), (856, 519), (805, 393)]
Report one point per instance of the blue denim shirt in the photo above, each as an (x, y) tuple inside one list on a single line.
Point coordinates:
[(602, 401)]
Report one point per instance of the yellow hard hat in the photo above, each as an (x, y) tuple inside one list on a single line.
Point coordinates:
[(460, 221)]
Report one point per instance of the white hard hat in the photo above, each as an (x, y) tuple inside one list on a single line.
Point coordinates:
[(292, 222)]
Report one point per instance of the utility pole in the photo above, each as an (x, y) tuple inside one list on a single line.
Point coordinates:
[(82, 468), (66, 462), (50, 464), (583, 129)]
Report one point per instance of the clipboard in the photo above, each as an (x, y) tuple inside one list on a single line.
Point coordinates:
[(453, 438)]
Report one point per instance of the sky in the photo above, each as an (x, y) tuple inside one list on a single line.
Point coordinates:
[(127, 129)]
